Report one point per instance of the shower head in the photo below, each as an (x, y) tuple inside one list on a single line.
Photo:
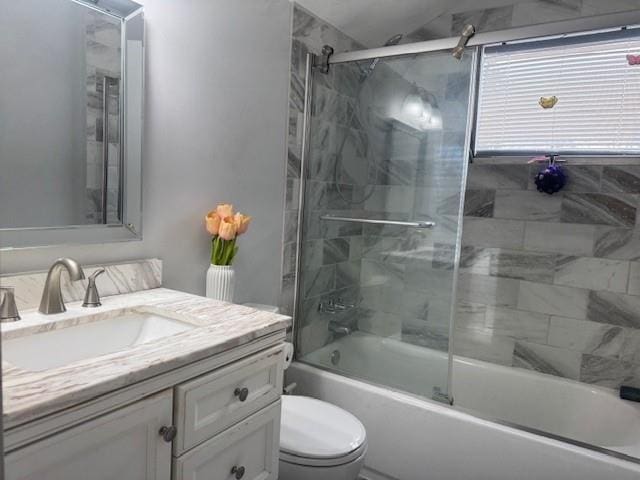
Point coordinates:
[(395, 40), (389, 43), (467, 32)]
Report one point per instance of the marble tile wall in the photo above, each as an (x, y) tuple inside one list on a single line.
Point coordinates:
[(382, 171), (406, 276), (331, 258), (118, 278), (549, 282)]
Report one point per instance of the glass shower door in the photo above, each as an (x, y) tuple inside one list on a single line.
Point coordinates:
[(383, 181)]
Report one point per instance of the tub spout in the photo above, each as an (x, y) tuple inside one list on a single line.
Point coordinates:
[(339, 330)]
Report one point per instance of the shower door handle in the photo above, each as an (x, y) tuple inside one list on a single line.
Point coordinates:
[(374, 221)]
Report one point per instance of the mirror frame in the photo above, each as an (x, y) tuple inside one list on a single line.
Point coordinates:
[(131, 16)]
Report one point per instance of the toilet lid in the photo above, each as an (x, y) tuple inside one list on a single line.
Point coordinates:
[(312, 428)]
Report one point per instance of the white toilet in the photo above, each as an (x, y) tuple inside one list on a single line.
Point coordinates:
[(319, 441)]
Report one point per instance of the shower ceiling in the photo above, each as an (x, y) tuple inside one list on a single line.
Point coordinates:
[(372, 22)]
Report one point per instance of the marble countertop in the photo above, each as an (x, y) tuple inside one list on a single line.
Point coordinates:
[(28, 395)]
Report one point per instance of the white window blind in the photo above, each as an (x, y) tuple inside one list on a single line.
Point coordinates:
[(598, 91)]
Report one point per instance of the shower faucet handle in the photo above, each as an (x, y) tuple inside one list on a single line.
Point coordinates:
[(341, 305), (327, 306), (332, 306)]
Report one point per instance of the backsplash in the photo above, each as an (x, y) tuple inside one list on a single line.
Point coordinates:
[(118, 278)]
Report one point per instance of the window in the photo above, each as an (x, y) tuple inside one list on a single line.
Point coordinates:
[(595, 79)]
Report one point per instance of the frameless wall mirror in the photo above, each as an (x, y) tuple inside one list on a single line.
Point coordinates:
[(71, 93)]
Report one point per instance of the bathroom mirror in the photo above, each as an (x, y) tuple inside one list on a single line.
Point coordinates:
[(71, 94)]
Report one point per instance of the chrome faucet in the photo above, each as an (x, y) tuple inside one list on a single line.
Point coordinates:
[(334, 306), (52, 301), (8, 308)]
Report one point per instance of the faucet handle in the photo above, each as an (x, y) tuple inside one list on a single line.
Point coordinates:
[(94, 275), (8, 308), (92, 296), (327, 306)]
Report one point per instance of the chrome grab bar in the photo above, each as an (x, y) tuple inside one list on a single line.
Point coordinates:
[(378, 222)]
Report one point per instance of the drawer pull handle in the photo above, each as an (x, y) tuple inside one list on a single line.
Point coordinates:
[(238, 472), (242, 394), (168, 433)]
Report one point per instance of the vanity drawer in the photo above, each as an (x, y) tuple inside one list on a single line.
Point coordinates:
[(248, 450), (211, 403)]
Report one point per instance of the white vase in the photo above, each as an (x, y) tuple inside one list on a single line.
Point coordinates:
[(221, 282)]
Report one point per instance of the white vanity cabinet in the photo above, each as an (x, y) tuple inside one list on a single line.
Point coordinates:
[(120, 445), (216, 419), (249, 450), (211, 403)]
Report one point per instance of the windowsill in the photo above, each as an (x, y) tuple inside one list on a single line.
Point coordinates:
[(568, 160)]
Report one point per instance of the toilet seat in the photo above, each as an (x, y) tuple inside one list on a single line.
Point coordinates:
[(324, 462), (317, 433)]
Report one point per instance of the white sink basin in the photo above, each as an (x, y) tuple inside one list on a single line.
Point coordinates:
[(43, 351)]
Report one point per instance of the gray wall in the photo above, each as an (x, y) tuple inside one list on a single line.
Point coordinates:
[(216, 109)]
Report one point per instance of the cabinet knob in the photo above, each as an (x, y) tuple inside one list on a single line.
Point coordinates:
[(238, 472), (241, 393), (168, 433)]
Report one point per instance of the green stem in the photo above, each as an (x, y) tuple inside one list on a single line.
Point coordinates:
[(229, 246), (220, 252), (223, 251), (213, 250), (216, 250)]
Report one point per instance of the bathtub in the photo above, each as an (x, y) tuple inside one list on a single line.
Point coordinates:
[(413, 438)]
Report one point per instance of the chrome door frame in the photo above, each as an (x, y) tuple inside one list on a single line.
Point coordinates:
[(306, 130), (584, 24), (468, 139), (311, 62)]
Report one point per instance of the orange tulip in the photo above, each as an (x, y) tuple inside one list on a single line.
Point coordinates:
[(213, 222), (225, 210), (227, 229), (242, 223)]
